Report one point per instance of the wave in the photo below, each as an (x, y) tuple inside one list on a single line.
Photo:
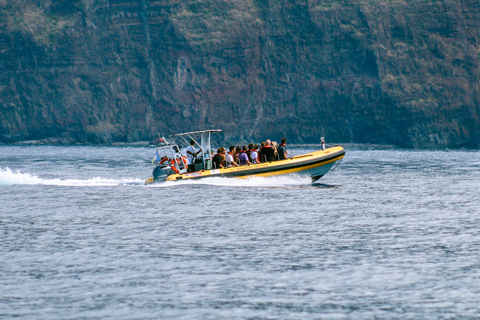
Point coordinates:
[(7, 177)]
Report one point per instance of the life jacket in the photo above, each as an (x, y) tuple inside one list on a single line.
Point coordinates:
[(283, 145)]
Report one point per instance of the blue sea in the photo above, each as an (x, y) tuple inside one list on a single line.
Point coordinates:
[(389, 234)]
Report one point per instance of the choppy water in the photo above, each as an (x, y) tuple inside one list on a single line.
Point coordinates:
[(388, 234)]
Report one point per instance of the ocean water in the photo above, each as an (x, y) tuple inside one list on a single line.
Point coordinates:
[(389, 234)]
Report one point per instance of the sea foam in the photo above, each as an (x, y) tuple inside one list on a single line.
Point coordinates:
[(8, 177), (276, 181)]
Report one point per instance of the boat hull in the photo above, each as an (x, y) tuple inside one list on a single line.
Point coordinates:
[(314, 165)]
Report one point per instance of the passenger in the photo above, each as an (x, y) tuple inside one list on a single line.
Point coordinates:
[(282, 149), (237, 153), (260, 153), (243, 158), (249, 150), (268, 151), (273, 144), (229, 157), (224, 157), (217, 159), (254, 155), (191, 155)]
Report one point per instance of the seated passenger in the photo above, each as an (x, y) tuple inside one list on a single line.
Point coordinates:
[(242, 157), (236, 154), (229, 157), (249, 150), (268, 151), (217, 159), (273, 144), (224, 157), (260, 153), (254, 155)]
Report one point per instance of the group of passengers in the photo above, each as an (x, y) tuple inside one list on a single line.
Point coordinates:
[(240, 156), (236, 156)]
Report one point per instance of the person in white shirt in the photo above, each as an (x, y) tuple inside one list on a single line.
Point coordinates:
[(254, 155), (229, 158), (191, 154)]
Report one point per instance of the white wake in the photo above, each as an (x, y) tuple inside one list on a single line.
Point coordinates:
[(276, 181), (8, 177)]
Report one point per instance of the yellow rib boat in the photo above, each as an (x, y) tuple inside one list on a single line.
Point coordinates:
[(314, 164)]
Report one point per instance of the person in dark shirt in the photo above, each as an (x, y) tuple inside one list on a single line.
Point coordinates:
[(268, 151), (260, 153), (249, 150), (217, 159), (282, 149)]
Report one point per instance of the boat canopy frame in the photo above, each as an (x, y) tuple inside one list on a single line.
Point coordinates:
[(204, 145)]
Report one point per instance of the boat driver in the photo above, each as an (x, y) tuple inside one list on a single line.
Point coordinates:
[(191, 154)]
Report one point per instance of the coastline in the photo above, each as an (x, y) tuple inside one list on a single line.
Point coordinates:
[(347, 145)]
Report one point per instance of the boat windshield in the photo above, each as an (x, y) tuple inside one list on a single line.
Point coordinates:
[(164, 152)]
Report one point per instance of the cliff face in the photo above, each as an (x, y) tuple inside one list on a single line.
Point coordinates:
[(377, 71)]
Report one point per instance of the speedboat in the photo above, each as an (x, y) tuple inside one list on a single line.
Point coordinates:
[(170, 164)]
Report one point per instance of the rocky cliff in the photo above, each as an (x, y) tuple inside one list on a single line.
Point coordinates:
[(366, 71)]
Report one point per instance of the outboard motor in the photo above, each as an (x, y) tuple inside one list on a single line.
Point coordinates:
[(161, 172), (322, 141)]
